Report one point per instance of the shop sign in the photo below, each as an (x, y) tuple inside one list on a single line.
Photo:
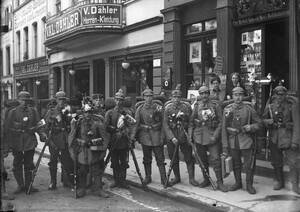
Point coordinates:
[(84, 17), (31, 67)]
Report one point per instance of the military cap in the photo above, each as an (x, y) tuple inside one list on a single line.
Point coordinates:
[(238, 89), (60, 95), (24, 95), (203, 89), (120, 94), (177, 92), (280, 88), (97, 96), (147, 92)]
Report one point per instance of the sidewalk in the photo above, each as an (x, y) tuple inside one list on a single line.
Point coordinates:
[(266, 198)]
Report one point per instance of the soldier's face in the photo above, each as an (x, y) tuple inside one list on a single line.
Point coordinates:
[(176, 98), (119, 102), (60, 102), (235, 80), (238, 97), (22, 102), (96, 102), (280, 96), (148, 99), (216, 85), (204, 96)]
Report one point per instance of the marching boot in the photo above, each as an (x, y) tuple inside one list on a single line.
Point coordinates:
[(249, 183), (20, 181), (279, 180), (52, 185), (163, 176), (99, 188), (147, 179), (294, 175), (176, 172), (205, 182), (116, 179), (220, 184), (81, 192), (238, 180), (191, 171), (28, 178), (123, 183)]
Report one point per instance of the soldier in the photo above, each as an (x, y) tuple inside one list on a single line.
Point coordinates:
[(58, 126), (205, 131), (98, 104), (88, 142), (240, 120), (22, 121), (282, 119), (119, 130), (175, 135), (149, 116)]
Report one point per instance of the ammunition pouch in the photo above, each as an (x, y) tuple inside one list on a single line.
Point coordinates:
[(232, 131), (287, 125), (96, 144), (211, 124)]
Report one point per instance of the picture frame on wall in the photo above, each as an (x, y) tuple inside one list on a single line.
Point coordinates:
[(195, 52)]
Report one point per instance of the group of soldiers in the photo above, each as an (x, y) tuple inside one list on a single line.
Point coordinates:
[(204, 133)]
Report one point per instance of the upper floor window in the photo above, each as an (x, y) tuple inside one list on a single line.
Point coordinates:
[(18, 47), (8, 60), (58, 6), (25, 56), (35, 39), (6, 16), (17, 3)]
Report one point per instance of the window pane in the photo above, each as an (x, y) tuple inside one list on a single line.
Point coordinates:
[(210, 25), (194, 69), (194, 28)]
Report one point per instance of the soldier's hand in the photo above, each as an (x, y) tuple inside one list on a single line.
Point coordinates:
[(268, 122), (294, 146), (213, 139), (174, 140), (247, 128), (43, 137), (225, 152)]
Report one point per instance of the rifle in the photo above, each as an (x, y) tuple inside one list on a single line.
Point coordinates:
[(75, 171), (199, 161), (253, 155), (171, 165), (268, 138)]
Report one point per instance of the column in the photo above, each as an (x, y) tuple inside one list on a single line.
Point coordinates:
[(293, 45), (91, 77), (108, 83)]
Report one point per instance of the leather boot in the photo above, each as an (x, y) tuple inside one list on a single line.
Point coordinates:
[(123, 182), (28, 178), (249, 183), (163, 176), (279, 180), (81, 192), (220, 184), (99, 188), (238, 180), (176, 172), (294, 176), (147, 179), (20, 181), (191, 171), (116, 179), (205, 182), (52, 185)]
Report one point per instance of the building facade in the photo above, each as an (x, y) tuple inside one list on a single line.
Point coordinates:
[(30, 63), (102, 46)]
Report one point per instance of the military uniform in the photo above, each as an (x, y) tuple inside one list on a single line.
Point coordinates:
[(21, 122), (119, 131), (282, 119), (58, 126), (205, 131), (176, 116), (149, 116), (88, 143), (240, 121)]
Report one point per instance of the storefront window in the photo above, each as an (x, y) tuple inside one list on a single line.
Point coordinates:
[(211, 25), (194, 28)]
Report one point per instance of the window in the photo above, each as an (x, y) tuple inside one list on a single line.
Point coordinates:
[(35, 41), (17, 3), (25, 56), (18, 46), (58, 6), (8, 60), (6, 16), (203, 26)]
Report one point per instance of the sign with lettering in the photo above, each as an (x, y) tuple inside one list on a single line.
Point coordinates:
[(84, 17), (31, 66)]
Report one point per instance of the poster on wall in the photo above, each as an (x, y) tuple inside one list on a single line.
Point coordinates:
[(195, 52)]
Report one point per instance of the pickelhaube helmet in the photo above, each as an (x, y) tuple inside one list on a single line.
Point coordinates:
[(238, 89), (24, 95), (60, 95), (280, 88), (177, 92), (203, 88), (147, 92), (120, 95)]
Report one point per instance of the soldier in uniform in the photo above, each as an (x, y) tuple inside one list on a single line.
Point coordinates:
[(58, 126), (149, 116), (88, 143), (98, 104), (240, 120), (176, 116), (119, 130), (205, 131), (282, 119), (22, 121)]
